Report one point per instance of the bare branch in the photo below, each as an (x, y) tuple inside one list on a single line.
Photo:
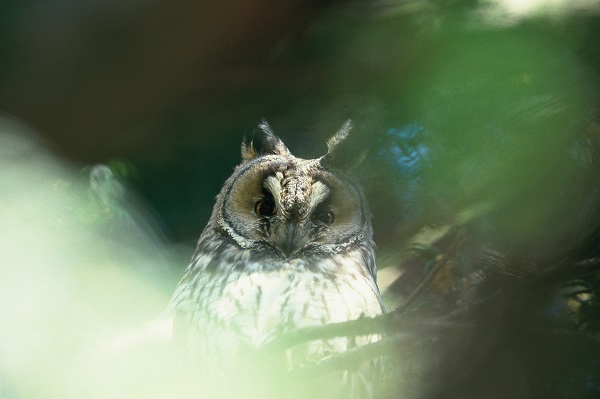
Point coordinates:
[(362, 326), (438, 265), (350, 359), (428, 331)]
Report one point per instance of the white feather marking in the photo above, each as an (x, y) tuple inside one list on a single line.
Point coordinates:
[(319, 193), (273, 184)]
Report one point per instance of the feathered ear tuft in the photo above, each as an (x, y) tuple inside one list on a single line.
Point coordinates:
[(340, 155), (262, 141), (339, 136)]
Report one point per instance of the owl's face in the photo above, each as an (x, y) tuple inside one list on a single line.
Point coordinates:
[(289, 206)]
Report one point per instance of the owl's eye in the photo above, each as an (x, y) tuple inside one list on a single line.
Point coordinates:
[(265, 207), (325, 217)]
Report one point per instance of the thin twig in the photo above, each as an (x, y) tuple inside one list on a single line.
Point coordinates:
[(438, 265), (351, 359), (592, 338), (362, 326)]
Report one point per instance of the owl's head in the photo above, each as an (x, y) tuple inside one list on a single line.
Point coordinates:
[(290, 206)]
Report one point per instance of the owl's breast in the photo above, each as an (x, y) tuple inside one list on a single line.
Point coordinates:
[(257, 306), (225, 317)]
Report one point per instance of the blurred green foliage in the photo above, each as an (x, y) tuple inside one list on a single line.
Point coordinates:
[(462, 106)]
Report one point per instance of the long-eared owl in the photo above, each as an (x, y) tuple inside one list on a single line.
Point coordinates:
[(289, 245)]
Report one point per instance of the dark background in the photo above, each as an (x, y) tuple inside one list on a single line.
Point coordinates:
[(163, 92)]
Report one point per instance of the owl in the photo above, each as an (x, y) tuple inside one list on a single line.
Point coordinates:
[(288, 245)]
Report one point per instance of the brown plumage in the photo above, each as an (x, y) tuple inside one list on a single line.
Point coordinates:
[(289, 245)]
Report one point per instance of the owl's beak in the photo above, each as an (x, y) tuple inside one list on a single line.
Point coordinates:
[(289, 239)]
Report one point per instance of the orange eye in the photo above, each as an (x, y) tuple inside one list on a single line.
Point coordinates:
[(325, 217), (265, 207)]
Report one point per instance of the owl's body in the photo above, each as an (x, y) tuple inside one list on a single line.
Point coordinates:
[(289, 245)]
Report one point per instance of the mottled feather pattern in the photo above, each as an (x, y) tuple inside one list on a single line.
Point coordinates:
[(289, 245)]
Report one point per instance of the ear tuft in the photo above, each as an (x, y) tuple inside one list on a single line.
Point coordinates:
[(262, 141), (339, 136), (340, 153)]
